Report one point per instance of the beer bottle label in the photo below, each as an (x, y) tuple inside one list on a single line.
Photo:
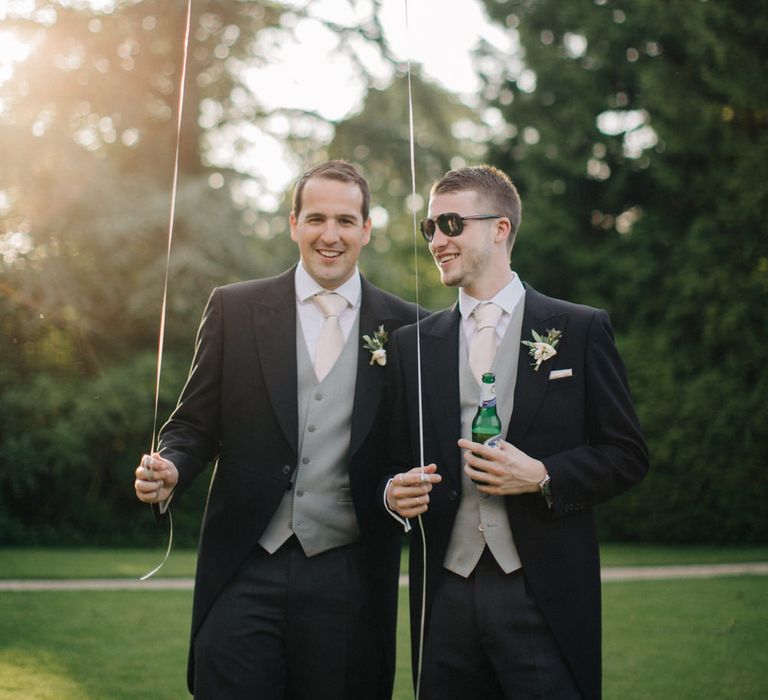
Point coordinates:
[(487, 395)]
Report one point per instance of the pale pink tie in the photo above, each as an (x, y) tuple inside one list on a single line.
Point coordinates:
[(483, 347), (331, 339)]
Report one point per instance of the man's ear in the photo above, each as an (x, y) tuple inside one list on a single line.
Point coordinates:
[(367, 226), (292, 221), (503, 230)]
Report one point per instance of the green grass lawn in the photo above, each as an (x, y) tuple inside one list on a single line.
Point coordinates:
[(655, 555), (67, 645), (667, 639), (686, 640), (31, 562)]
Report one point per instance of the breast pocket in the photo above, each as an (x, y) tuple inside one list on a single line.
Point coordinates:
[(561, 383)]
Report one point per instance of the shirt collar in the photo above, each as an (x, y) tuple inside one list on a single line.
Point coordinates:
[(507, 298), (306, 286)]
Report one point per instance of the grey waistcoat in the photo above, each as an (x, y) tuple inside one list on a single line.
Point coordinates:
[(319, 508), (482, 520)]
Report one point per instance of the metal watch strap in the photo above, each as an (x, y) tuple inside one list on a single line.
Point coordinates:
[(545, 489)]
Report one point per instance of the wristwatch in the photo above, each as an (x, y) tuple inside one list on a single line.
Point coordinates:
[(545, 489)]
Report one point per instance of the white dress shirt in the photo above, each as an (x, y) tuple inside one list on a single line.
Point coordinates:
[(508, 298), (310, 316)]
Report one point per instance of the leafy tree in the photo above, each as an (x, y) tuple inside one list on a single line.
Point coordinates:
[(379, 137), (88, 141), (88, 136), (638, 132)]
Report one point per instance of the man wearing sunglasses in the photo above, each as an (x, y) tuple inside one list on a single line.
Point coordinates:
[(512, 570)]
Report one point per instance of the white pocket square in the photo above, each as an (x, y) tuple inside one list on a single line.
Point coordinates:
[(560, 374)]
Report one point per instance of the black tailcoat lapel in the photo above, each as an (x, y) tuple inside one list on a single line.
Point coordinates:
[(440, 359), (531, 385), (369, 386), (275, 331)]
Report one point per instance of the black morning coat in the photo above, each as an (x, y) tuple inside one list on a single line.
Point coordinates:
[(583, 428), (239, 409)]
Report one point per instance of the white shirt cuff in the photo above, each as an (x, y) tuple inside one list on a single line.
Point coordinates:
[(403, 521), (166, 504)]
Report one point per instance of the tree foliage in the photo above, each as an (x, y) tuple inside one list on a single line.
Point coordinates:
[(638, 132), (378, 138), (88, 140), (638, 135)]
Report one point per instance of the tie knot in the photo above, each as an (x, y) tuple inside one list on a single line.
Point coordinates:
[(487, 315), (330, 303)]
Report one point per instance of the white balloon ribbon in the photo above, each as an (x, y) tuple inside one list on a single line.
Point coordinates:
[(411, 141), (164, 305)]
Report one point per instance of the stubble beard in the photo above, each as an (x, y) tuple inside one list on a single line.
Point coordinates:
[(473, 265)]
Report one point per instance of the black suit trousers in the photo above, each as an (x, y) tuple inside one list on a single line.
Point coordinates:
[(487, 640), (290, 627)]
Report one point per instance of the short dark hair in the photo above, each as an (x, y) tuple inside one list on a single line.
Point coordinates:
[(488, 182), (339, 170)]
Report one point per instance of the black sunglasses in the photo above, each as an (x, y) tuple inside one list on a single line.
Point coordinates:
[(450, 224)]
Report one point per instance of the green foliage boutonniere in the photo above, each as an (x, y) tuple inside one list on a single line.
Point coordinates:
[(376, 346), (542, 348)]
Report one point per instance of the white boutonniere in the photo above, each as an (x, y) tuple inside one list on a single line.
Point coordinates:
[(376, 346), (542, 348)]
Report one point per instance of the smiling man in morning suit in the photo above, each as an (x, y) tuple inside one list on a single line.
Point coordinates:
[(512, 573), (297, 574)]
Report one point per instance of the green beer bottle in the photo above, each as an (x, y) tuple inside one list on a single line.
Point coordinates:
[(486, 426)]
